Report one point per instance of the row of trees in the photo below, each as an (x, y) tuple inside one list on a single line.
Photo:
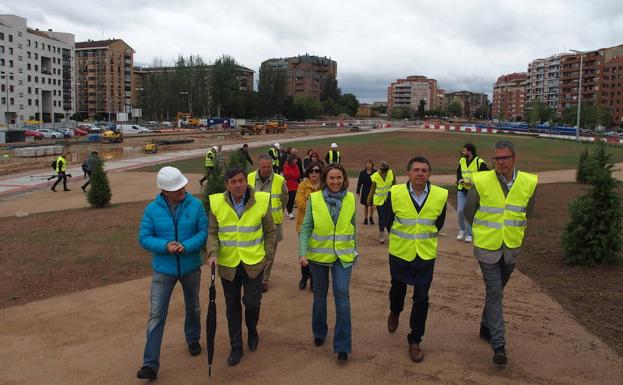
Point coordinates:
[(590, 116), (205, 89), (454, 109)]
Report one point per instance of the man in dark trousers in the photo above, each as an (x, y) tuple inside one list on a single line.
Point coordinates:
[(61, 168), (88, 168), (416, 214), (333, 155), (244, 151)]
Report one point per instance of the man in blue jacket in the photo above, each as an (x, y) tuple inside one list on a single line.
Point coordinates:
[(174, 228)]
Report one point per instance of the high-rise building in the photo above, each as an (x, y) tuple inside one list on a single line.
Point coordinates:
[(36, 73), (306, 75), (543, 81), (471, 102), (407, 93), (612, 89), (104, 79), (509, 96)]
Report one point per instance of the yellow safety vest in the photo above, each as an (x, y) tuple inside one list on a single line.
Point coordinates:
[(382, 186), (412, 233), (334, 156), (240, 239), (467, 172), (499, 219), (274, 154), (209, 162), (61, 164), (330, 241), (276, 190)]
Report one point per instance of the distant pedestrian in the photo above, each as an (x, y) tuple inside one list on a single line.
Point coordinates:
[(469, 165), (334, 155), (292, 175), (209, 162), (498, 207), (307, 160), (275, 154), (88, 168), (174, 228), (244, 152), (61, 168), (364, 183), (299, 162), (382, 181)]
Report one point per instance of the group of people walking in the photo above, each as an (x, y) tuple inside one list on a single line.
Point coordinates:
[(242, 228)]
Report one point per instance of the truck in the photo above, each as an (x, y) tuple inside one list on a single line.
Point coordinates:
[(276, 127), (252, 128), (131, 129), (185, 120)]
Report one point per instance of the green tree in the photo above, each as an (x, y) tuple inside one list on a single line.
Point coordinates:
[(593, 235), (349, 104), (455, 109), (330, 90), (590, 116), (421, 109), (538, 112), (379, 109), (582, 172), (311, 107), (223, 85), (272, 93), (99, 194), (399, 113)]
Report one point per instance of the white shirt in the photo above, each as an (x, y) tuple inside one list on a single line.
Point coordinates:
[(419, 199)]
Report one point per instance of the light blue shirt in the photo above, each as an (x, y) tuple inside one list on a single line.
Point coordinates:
[(419, 199), (238, 206)]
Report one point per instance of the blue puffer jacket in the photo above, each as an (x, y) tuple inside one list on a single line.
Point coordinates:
[(189, 227)]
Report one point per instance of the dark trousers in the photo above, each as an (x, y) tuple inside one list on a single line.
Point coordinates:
[(291, 197), (209, 171), (251, 299), (88, 182), (419, 311), (496, 276), (61, 176), (382, 210)]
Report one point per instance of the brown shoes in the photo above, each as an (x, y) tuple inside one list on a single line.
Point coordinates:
[(392, 322), (416, 353)]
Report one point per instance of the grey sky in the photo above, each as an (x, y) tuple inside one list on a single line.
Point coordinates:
[(462, 44)]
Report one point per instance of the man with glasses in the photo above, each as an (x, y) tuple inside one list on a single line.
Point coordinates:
[(498, 207)]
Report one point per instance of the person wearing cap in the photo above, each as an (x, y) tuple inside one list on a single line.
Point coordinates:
[(333, 156), (210, 161), (173, 228), (382, 181), (275, 154), (242, 238), (266, 180)]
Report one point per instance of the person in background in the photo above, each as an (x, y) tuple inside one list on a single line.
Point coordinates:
[(299, 162), (275, 154), (88, 168), (209, 162), (307, 160), (327, 242), (61, 168), (363, 189), (244, 151), (382, 181), (333, 155), (469, 165), (292, 176), (311, 183), (174, 228)]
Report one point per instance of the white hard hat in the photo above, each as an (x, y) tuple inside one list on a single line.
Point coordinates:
[(277, 145), (170, 179), (333, 145), (215, 147)]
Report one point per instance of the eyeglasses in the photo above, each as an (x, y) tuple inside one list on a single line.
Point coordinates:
[(502, 158), (315, 171)]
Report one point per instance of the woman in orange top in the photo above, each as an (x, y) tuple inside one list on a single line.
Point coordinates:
[(310, 184)]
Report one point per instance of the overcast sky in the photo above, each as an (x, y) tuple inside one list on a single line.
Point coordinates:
[(465, 45)]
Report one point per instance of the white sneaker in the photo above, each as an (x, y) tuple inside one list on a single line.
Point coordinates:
[(382, 239), (460, 235), (468, 239), (290, 216)]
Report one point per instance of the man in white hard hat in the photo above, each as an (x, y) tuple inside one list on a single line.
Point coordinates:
[(210, 161), (333, 156), (174, 228), (275, 154)]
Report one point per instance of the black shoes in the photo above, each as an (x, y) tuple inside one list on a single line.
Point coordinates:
[(83, 189), (234, 357), (66, 189), (254, 339), (365, 221), (318, 341), (194, 348), (499, 356), (485, 333), (371, 221), (342, 356), (147, 373), (53, 189)]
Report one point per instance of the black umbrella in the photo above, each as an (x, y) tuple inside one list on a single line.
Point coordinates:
[(211, 322)]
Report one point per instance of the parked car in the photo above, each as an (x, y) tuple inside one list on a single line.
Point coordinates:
[(67, 132), (132, 129), (36, 134), (88, 127), (80, 132), (50, 134)]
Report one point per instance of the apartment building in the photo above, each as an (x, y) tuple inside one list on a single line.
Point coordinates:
[(612, 90), (36, 73), (104, 79), (471, 102), (543, 82), (442, 102), (509, 94), (407, 93), (306, 74)]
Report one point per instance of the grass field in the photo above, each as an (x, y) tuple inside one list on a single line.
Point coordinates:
[(442, 149)]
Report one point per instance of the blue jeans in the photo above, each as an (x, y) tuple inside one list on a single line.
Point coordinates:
[(161, 289), (341, 282), (461, 198)]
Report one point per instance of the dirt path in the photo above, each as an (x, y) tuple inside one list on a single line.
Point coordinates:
[(97, 336)]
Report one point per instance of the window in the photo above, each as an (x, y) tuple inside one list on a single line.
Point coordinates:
[(11, 100), (2, 62), (36, 45), (10, 63), (29, 79), (28, 54), (36, 79), (30, 102), (1, 38), (36, 56), (29, 90), (10, 41), (11, 88), (28, 42), (28, 67), (36, 102)]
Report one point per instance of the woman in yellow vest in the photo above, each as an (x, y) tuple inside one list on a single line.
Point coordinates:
[(382, 181), (327, 242)]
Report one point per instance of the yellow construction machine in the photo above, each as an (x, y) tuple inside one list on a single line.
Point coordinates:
[(276, 127)]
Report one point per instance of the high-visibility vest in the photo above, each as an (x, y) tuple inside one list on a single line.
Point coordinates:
[(61, 164), (334, 156), (467, 172), (499, 219), (240, 239), (274, 154), (210, 155), (276, 189), (330, 241), (412, 233), (382, 186)]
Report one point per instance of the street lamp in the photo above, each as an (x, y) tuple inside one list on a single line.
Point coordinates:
[(577, 127), (189, 93)]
